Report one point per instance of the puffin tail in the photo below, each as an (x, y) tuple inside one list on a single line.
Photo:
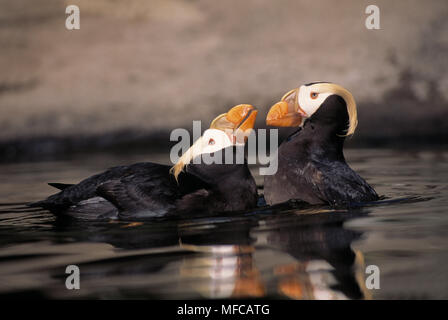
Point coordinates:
[(60, 186)]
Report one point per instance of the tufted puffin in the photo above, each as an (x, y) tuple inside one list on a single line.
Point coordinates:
[(146, 190), (311, 163)]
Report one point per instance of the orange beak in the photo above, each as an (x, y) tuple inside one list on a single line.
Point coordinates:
[(238, 122), (287, 112), (242, 116)]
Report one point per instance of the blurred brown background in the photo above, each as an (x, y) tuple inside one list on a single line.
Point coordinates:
[(137, 69)]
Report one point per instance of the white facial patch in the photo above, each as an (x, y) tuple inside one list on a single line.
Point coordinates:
[(310, 99), (211, 141)]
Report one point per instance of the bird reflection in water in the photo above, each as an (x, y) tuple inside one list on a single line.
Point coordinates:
[(297, 253), (304, 256), (224, 272)]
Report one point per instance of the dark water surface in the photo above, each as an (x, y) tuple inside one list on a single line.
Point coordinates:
[(286, 252)]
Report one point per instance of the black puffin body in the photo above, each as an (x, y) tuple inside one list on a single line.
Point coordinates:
[(145, 190), (311, 163), (193, 185)]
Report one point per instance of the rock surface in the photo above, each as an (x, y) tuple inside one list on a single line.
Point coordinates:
[(146, 67)]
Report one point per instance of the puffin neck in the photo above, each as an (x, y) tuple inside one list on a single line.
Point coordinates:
[(324, 133), (235, 181), (324, 139), (221, 176)]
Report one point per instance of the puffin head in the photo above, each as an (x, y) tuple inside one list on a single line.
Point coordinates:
[(229, 129), (327, 101)]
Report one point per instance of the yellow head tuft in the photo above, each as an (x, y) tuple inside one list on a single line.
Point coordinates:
[(185, 159), (349, 101)]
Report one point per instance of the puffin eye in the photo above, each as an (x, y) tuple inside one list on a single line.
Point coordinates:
[(211, 142), (314, 95)]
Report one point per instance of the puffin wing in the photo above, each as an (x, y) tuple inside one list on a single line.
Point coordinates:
[(154, 195), (86, 189), (138, 199), (337, 184), (71, 195)]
